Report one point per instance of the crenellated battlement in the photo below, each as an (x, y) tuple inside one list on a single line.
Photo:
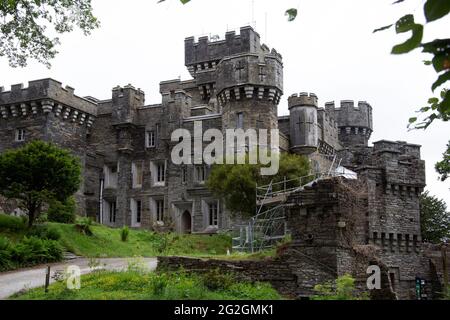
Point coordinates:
[(348, 105), (46, 89), (354, 120), (303, 99), (43, 97), (204, 55)]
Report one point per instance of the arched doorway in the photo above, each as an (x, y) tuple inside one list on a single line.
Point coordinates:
[(186, 222)]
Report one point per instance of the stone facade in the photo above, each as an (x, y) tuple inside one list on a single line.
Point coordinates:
[(129, 179)]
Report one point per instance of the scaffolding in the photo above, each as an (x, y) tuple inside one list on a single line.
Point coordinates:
[(268, 226)]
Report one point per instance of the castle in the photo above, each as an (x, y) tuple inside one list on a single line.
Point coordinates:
[(125, 147)]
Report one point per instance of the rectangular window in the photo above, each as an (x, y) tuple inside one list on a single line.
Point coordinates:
[(158, 173), (151, 139), (110, 173), (239, 120), (112, 212), (200, 174), (160, 210), (20, 135), (138, 211), (213, 214), (137, 174), (161, 172)]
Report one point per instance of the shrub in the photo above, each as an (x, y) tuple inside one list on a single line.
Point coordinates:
[(44, 232), (159, 283), (11, 223), (343, 288), (84, 226), (218, 280), (124, 233), (31, 251), (5, 254), (62, 212)]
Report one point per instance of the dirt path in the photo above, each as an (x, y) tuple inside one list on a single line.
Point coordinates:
[(15, 281)]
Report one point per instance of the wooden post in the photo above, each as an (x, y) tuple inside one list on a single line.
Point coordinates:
[(47, 279), (444, 267)]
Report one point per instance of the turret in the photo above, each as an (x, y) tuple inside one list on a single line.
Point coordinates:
[(245, 77), (355, 122), (303, 123), (125, 101)]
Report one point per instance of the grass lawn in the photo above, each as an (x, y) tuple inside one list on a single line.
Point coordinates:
[(153, 286), (106, 242)]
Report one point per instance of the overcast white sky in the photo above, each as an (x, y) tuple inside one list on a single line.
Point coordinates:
[(329, 50)]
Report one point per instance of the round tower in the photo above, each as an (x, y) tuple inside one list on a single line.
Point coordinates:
[(249, 88), (303, 123), (354, 121)]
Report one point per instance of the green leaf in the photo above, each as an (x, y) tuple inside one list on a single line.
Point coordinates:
[(436, 9), (383, 28), (410, 44), (412, 120), (441, 63), (184, 1), (405, 24), (441, 80), (427, 62), (291, 13), (433, 100)]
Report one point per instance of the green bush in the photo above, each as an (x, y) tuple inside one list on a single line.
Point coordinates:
[(5, 254), (124, 233), (31, 251), (84, 226), (44, 232), (62, 212), (217, 280), (343, 288), (11, 223)]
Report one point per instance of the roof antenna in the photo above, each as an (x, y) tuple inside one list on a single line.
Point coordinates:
[(253, 14), (265, 28)]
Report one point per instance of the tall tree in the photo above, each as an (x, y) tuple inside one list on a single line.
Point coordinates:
[(443, 167), (24, 31), (435, 219), (38, 173), (236, 183)]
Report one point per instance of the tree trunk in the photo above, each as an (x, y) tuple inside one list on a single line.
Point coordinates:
[(31, 215)]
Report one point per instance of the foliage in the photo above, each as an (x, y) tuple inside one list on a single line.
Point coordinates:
[(124, 233), (215, 280), (151, 286), (5, 254), (343, 288), (443, 167), (24, 32), (11, 223), (62, 211), (434, 219), (28, 252), (44, 232), (236, 183), (84, 225), (38, 173), (438, 107)]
